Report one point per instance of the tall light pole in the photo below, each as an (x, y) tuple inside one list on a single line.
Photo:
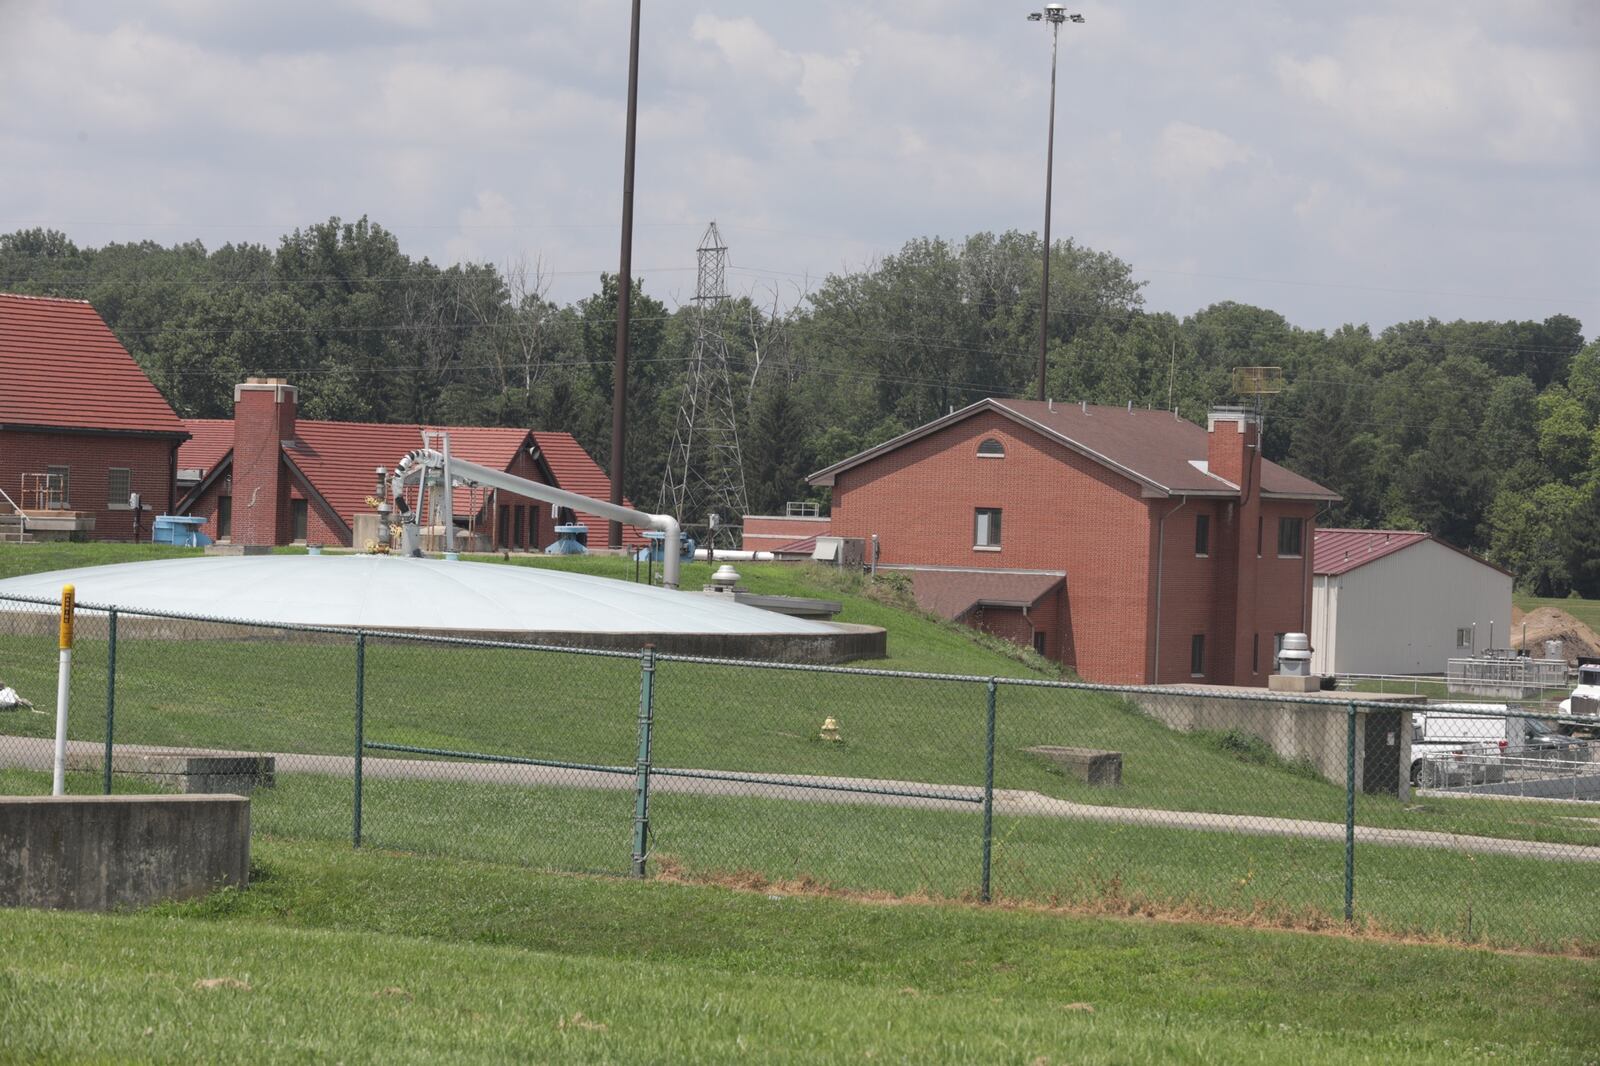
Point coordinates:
[(1055, 15), (619, 384)]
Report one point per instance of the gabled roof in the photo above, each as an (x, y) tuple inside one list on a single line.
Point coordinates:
[(209, 440), (1339, 551), (339, 459), (573, 469), (61, 366), (1164, 454)]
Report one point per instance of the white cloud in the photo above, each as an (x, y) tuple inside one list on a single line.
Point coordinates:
[(1186, 153)]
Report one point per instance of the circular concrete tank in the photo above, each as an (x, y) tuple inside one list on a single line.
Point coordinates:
[(485, 601)]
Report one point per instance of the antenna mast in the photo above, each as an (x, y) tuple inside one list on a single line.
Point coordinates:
[(705, 467)]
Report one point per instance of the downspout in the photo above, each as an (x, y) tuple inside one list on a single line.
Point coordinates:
[(1161, 551)]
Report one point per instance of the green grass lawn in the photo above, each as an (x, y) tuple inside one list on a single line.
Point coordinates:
[(861, 848), (297, 696), (1585, 611), (375, 957)]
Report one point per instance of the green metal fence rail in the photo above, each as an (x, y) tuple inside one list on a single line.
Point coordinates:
[(1120, 797)]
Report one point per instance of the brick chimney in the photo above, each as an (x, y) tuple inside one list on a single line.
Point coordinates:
[(1233, 453), (263, 418), (1232, 436)]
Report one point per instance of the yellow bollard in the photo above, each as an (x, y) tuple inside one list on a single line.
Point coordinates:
[(58, 784), (830, 729)]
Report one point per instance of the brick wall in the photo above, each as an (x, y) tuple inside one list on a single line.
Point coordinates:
[(765, 532), (1059, 511), (91, 457)]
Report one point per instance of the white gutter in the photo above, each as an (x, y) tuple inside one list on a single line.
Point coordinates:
[(472, 473)]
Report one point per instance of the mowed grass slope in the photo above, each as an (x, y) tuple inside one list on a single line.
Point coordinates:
[(363, 956)]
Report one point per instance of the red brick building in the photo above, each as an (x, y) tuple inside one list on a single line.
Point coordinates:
[(82, 429), (1131, 545), (268, 477)]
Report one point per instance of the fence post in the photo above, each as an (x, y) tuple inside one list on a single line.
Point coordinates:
[(988, 788), (1350, 813), (361, 730), (111, 691), (641, 788)]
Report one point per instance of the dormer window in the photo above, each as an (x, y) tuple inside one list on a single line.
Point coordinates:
[(991, 449)]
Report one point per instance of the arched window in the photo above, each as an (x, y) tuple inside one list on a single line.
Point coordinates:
[(991, 449)]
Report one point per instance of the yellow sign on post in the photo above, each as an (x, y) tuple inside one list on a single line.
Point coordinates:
[(68, 605), (63, 690)]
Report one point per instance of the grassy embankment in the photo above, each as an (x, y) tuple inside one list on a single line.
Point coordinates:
[(298, 697), (365, 956)]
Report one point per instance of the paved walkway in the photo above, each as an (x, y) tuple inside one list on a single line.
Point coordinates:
[(37, 753)]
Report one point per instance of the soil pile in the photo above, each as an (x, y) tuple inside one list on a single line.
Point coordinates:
[(1552, 623)]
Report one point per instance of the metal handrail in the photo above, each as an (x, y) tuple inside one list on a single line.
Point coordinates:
[(15, 509)]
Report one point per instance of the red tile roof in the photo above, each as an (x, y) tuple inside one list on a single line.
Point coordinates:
[(1157, 448), (209, 440), (952, 593), (60, 365), (575, 471), (340, 459)]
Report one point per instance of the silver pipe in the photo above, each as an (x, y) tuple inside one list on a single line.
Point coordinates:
[(499, 479)]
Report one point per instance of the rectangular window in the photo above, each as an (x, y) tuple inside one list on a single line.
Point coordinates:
[(1291, 532), (1197, 655), (516, 526), (297, 520), (1260, 527), (1038, 643), (57, 488), (1202, 535), (119, 486), (224, 517), (1464, 637), (986, 527), (1255, 653)]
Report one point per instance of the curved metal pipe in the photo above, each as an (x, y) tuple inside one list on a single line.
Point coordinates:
[(462, 470)]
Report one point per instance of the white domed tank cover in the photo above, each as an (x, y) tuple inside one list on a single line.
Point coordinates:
[(394, 593)]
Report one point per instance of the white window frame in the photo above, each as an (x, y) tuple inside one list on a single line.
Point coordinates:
[(987, 534)]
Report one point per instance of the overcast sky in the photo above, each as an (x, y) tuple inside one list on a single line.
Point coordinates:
[(1362, 161)]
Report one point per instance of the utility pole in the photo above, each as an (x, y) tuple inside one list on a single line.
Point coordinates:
[(1055, 15), (619, 386)]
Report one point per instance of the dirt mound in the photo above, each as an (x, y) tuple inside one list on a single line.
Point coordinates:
[(1552, 623)]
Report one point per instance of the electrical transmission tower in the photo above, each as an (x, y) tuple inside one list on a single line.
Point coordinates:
[(705, 469)]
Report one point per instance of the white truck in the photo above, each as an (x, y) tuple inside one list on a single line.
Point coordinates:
[(1450, 748), (1585, 698)]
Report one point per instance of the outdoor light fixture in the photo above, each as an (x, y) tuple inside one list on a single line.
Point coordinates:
[(1055, 15)]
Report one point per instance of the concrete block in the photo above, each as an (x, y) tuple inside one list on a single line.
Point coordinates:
[(105, 852), (1090, 765), (232, 774), (1293, 683)]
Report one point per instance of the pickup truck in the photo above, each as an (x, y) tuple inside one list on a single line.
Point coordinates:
[(1452, 748)]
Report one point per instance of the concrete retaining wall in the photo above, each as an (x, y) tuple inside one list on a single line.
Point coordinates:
[(105, 852), (1313, 732)]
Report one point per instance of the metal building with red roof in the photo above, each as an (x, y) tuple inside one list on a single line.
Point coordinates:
[(267, 476), (1400, 601), (82, 428)]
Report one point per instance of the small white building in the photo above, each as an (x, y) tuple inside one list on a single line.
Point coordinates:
[(1394, 602)]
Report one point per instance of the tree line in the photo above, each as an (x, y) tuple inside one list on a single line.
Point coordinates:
[(1486, 433)]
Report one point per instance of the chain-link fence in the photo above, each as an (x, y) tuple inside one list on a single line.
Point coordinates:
[(1396, 815)]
